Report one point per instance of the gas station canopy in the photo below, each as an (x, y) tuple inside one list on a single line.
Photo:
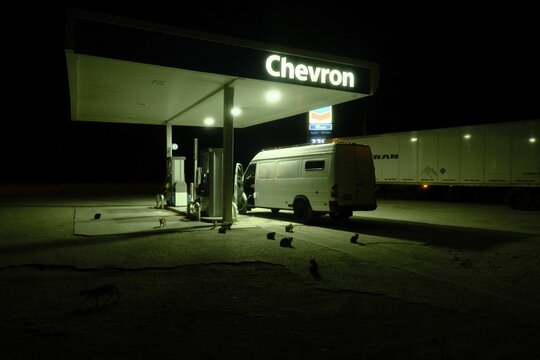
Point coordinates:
[(129, 71)]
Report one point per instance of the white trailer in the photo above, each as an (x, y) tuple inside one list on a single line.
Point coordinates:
[(336, 178), (505, 155)]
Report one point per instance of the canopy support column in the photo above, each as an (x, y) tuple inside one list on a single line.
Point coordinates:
[(228, 150), (169, 143)]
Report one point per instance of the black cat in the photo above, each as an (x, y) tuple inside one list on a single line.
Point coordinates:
[(289, 228), (107, 290), (314, 269), (286, 242)]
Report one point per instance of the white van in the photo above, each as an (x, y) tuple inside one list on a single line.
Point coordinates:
[(312, 180)]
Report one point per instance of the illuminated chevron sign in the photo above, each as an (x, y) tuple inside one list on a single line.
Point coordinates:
[(280, 67), (320, 119)]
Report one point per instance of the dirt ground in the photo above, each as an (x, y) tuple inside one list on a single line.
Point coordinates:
[(203, 295)]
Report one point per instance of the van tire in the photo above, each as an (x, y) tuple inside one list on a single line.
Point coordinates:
[(302, 211)]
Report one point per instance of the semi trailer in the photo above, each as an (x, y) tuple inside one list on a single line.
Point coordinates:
[(496, 155)]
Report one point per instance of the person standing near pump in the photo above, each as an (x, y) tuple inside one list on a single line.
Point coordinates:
[(161, 197)]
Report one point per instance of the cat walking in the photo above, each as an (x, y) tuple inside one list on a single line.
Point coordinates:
[(108, 291), (162, 222)]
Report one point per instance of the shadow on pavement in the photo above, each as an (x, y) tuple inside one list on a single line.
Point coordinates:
[(446, 236)]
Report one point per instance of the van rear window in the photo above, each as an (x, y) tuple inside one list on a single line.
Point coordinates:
[(312, 165)]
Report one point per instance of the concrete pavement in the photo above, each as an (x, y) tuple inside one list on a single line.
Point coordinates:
[(480, 260)]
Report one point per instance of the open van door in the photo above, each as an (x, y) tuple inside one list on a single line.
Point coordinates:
[(238, 193)]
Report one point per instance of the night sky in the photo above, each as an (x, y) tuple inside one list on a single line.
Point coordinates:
[(440, 66)]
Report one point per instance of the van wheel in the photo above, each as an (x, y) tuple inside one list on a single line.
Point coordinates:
[(302, 211)]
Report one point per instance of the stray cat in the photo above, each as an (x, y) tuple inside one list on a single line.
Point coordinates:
[(107, 290), (289, 228), (224, 227), (314, 269), (354, 240), (286, 242), (162, 222), (271, 236)]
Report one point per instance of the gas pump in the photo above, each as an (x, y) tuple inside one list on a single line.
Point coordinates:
[(175, 186), (211, 182), (209, 191)]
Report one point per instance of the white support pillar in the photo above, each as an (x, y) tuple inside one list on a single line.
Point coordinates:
[(228, 143), (196, 179), (169, 143)]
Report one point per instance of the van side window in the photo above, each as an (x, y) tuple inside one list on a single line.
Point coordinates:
[(313, 165), (265, 171), (287, 169)]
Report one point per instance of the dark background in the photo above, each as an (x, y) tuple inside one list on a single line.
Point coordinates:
[(440, 65)]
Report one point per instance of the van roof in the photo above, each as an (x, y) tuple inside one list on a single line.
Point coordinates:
[(295, 151)]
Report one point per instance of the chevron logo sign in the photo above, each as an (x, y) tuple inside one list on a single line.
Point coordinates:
[(320, 119)]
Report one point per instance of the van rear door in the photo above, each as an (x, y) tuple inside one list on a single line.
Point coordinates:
[(355, 176)]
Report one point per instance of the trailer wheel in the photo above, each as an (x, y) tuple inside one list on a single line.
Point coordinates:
[(518, 199), (302, 211)]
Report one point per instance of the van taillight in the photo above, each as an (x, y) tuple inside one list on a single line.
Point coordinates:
[(333, 192)]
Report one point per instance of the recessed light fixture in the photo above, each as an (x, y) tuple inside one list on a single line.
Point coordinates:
[(413, 139), (273, 96), (209, 121), (235, 111), (532, 140), (467, 136)]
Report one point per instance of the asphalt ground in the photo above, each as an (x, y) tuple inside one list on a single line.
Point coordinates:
[(426, 280)]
